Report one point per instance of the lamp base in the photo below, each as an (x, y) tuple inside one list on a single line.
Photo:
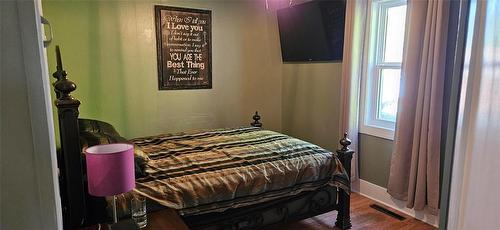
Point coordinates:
[(115, 218)]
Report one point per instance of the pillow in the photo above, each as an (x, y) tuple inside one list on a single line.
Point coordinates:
[(95, 132), (140, 160), (139, 153)]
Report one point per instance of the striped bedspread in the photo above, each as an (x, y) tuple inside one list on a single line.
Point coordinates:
[(215, 170)]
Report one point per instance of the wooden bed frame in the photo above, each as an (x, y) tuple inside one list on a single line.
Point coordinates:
[(77, 204)]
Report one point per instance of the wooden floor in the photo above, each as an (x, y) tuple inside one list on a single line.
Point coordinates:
[(362, 217)]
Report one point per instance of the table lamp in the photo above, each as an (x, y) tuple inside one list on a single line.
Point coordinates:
[(110, 170)]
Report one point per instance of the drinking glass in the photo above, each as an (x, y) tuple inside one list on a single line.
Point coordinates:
[(138, 209)]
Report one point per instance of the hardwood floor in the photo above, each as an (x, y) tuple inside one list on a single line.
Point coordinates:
[(362, 217)]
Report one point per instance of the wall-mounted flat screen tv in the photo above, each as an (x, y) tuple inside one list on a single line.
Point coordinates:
[(312, 31)]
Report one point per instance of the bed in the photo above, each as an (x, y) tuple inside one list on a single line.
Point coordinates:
[(232, 178)]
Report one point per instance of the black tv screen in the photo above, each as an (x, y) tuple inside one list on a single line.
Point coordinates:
[(312, 31)]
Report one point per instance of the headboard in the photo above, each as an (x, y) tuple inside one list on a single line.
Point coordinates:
[(79, 208), (69, 160)]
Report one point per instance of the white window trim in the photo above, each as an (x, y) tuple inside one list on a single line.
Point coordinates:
[(369, 81)]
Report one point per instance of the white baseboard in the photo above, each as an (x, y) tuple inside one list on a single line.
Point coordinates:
[(380, 195)]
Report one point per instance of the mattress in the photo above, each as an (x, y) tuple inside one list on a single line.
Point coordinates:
[(214, 170)]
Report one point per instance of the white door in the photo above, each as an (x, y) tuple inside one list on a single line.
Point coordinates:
[(29, 191), (475, 188)]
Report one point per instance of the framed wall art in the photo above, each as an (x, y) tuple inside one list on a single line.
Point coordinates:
[(184, 48)]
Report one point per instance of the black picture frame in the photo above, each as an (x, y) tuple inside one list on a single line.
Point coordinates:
[(183, 33)]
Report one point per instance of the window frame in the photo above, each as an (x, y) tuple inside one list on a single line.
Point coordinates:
[(373, 65)]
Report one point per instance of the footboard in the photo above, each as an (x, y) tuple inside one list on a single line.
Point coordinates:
[(298, 207)]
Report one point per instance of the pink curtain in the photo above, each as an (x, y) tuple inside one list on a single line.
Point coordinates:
[(414, 173)]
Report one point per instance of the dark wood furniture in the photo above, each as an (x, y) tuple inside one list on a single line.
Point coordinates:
[(80, 209), (163, 219)]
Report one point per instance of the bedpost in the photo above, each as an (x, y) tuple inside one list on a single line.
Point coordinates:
[(70, 163), (344, 200), (256, 118)]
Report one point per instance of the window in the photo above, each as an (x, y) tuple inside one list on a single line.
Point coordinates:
[(383, 56)]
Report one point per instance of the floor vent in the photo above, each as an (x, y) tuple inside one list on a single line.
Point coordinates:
[(387, 212)]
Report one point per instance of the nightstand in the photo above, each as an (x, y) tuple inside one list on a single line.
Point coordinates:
[(167, 219)]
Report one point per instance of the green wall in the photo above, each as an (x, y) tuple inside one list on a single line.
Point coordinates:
[(109, 50), (374, 159), (311, 102)]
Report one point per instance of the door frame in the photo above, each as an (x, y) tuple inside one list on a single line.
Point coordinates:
[(40, 106)]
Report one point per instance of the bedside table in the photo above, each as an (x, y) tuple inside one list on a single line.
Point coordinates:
[(167, 219)]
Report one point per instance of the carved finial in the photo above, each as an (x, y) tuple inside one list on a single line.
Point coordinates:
[(63, 86), (256, 118), (60, 73), (58, 58), (345, 142)]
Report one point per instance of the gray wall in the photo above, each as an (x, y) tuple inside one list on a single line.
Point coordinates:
[(374, 159), (311, 111), (311, 102)]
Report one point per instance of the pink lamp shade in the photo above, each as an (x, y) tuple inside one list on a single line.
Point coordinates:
[(110, 169)]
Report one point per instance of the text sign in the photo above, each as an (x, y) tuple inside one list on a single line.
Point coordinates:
[(183, 38)]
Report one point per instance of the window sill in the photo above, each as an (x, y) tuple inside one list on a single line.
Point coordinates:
[(377, 131)]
